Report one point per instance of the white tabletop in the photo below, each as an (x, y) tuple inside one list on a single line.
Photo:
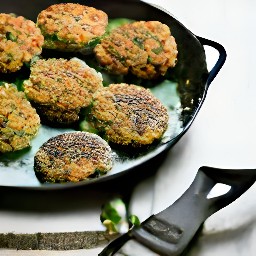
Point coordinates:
[(222, 136)]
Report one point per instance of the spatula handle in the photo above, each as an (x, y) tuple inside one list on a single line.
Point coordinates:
[(170, 231)]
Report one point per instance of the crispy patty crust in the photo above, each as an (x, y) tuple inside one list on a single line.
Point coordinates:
[(72, 157), (70, 26), (145, 48), (59, 88), (128, 114), (19, 122), (20, 41)]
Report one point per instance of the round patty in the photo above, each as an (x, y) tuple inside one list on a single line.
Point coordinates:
[(59, 88), (20, 41), (70, 26), (19, 122), (145, 48), (128, 114), (72, 157)]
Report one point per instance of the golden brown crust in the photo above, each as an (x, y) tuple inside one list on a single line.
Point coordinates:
[(20, 41), (72, 157), (59, 88), (70, 26), (145, 48), (19, 122), (129, 114)]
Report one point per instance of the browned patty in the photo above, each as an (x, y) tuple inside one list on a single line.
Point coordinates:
[(128, 114), (19, 122), (20, 41), (145, 48), (70, 26), (72, 157), (60, 88)]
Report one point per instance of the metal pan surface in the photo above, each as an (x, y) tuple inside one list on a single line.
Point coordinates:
[(182, 90)]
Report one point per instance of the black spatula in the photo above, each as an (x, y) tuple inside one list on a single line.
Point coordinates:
[(170, 231)]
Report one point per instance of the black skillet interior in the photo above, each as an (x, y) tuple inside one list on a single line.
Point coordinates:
[(184, 89)]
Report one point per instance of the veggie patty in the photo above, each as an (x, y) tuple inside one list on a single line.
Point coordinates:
[(70, 26), (128, 114), (19, 122), (145, 48), (60, 88), (20, 41), (72, 157)]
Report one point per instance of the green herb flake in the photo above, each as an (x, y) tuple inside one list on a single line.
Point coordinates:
[(92, 43), (157, 50), (134, 220), (139, 42), (116, 54), (11, 36)]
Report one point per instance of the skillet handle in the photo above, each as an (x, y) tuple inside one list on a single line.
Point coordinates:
[(221, 60), (170, 231)]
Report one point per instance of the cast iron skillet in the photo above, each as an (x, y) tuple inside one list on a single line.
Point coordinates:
[(189, 82)]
